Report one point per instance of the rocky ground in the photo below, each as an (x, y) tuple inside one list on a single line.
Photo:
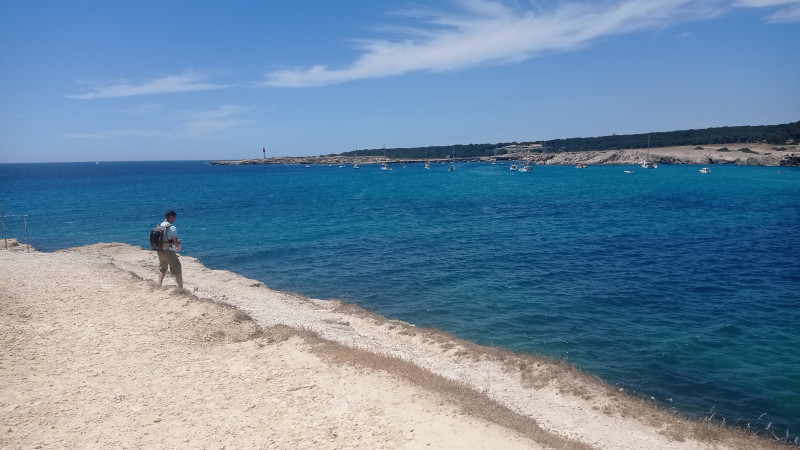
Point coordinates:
[(95, 354), (742, 154)]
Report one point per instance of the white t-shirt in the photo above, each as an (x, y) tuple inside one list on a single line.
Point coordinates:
[(171, 232)]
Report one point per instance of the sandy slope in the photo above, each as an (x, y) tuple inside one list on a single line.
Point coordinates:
[(95, 355)]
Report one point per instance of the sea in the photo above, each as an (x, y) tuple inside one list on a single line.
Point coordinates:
[(680, 287)]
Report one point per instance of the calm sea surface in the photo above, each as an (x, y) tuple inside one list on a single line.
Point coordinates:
[(679, 286)]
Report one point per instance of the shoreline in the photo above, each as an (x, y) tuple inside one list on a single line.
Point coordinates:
[(739, 154), (88, 326)]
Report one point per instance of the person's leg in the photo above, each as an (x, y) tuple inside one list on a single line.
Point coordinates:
[(176, 269), (163, 262), (179, 280)]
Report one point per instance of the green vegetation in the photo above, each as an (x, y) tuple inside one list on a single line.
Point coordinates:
[(435, 152), (723, 149), (747, 150), (786, 134), (770, 134)]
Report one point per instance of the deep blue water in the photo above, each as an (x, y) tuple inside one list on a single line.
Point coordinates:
[(681, 286)]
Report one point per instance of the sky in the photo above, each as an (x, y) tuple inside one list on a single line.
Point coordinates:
[(97, 80)]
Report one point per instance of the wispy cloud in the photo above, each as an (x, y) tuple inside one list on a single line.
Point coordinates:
[(485, 31), (184, 124), (188, 81), (788, 10), (762, 3), (105, 135), (476, 32), (141, 109), (205, 122)]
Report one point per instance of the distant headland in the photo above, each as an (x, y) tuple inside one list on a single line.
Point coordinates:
[(766, 145)]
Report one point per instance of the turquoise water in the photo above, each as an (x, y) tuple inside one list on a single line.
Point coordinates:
[(679, 286)]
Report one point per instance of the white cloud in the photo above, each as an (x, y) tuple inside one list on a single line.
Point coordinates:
[(186, 124), (205, 122), (87, 136), (788, 11), (486, 31), (104, 135), (188, 81), (788, 14), (762, 3), (141, 109)]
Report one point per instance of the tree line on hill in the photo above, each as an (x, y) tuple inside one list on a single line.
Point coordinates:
[(434, 152), (778, 135)]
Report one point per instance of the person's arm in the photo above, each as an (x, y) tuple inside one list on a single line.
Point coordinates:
[(176, 243)]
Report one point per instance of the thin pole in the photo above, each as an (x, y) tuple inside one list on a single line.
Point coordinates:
[(27, 243), (5, 239)]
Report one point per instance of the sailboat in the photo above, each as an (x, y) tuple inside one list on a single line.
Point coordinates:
[(385, 166), (647, 164), (427, 163), (452, 166), (355, 161)]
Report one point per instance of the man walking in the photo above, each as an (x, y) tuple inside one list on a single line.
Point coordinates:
[(168, 258)]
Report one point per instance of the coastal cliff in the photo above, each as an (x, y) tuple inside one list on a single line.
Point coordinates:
[(671, 156), (792, 160), (753, 155)]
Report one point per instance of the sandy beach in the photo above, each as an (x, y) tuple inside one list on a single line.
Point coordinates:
[(96, 355)]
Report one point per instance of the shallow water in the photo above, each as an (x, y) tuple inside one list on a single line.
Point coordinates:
[(681, 286)]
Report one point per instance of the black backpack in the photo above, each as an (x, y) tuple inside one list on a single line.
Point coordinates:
[(158, 237)]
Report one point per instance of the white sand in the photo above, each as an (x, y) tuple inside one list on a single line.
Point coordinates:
[(94, 354)]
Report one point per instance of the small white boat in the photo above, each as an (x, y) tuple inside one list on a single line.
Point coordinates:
[(385, 166), (513, 167), (705, 170), (451, 168), (581, 166), (628, 171), (427, 165), (526, 168), (647, 164)]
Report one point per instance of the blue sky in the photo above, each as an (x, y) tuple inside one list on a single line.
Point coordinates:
[(86, 80)]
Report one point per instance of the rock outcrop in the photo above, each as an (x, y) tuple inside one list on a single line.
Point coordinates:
[(792, 160)]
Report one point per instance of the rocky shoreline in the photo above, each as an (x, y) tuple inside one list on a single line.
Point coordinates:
[(752, 155), (97, 355)]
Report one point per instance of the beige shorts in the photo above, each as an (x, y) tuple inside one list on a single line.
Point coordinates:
[(169, 258)]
